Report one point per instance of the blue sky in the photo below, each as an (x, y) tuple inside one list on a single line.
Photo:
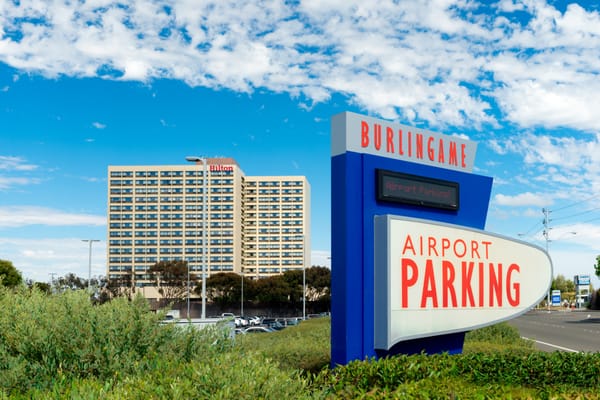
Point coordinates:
[(89, 84)]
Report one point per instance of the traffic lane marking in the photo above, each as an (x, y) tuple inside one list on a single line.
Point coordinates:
[(552, 345)]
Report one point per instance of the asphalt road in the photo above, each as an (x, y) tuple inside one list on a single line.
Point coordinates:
[(564, 330)]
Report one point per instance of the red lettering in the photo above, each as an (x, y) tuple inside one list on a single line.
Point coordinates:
[(432, 245), (514, 298), (364, 134), (406, 281), (475, 249), (419, 145), (448, 283), (463, 153), (409, 143), (480, 284), (441, 152), (464, 248), (408, 245), (452, 154), (389, 140), (377, 136), (445, 245), (487, 249), (430, 151), (495, 285), (467, 290), (429, 289), (400, 149)]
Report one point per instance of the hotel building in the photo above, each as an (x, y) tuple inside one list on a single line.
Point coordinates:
[(208, 213)]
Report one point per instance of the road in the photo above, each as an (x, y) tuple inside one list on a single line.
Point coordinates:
[(562, 330)]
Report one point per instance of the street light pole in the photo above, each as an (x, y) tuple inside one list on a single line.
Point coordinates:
[(196, 160), (546, 233), (242, 303), (90, 241), (303, 278)]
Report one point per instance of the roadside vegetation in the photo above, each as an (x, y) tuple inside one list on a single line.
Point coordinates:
[(63, 346)]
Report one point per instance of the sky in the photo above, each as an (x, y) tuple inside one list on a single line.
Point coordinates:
[(88, 84)]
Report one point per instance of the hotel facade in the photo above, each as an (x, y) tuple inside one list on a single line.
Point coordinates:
[(206, 213)]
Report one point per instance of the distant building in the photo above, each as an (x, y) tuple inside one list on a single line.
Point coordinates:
[(258, 226)]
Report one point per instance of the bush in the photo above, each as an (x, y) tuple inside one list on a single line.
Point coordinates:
[(221, 376), (497, 338), (305, 347), (62, 346), (494, 375)]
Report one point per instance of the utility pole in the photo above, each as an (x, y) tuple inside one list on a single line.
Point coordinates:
[(546, 227), (90, 241), (52, 281), (546, 233)]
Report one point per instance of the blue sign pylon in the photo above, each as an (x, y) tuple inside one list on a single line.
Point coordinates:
[(354, 204)]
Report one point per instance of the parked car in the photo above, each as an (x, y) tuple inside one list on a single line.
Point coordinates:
[(292, 321), (267, 321), (254, 321), (276, 325), (258, 329)]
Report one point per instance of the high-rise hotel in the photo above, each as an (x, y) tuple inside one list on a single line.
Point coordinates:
[(205, 212)]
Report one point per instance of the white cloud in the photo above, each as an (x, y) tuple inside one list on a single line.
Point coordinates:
[(10, 182), (98, 125), (320, 258), (522, 199), (10, 163), (17, 216), (38, 258), (16, 165), (539, 68)]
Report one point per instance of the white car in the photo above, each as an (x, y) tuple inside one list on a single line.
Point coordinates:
[(258, 329)]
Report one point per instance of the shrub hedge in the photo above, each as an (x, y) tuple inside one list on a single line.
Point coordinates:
[(62, 346)]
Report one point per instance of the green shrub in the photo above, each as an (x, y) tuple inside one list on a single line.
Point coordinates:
[(49, 339), (497, 338), (222, 376), (491, 375), (62, 346), (305, 347)]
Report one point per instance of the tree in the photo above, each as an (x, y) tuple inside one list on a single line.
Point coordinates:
[(70, 282), (597, 266), (9, 275), (294, 280), (41, 286), (171, 277), (272, 291), (563, 284), (319, 280), (116, 287), (223, 288)]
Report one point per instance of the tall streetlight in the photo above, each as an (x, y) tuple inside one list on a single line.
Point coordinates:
[(90, 241), (196, 159), (303, 278), (242, 303)]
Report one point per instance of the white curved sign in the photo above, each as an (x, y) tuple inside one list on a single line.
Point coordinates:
[(433, 278)]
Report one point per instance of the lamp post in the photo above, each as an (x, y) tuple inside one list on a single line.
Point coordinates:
[(242, 302), (196, 160), (90, 241), (303, 278)]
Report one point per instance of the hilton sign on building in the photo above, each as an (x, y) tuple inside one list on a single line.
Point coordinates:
[(412, 268)]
